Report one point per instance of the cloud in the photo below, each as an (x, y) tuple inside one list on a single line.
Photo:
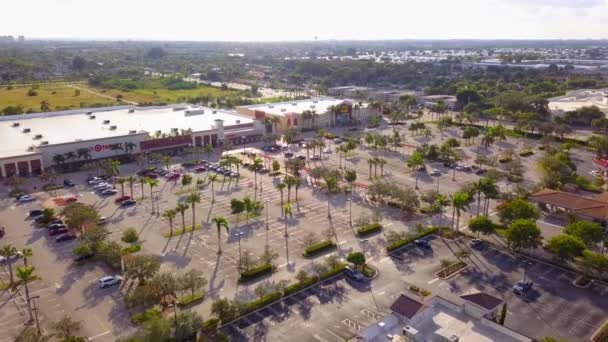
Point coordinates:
[(582, 4)]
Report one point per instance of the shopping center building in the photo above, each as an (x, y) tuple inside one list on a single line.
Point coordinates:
[(30, 143)]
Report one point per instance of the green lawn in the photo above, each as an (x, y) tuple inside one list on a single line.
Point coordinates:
[(60, 96)]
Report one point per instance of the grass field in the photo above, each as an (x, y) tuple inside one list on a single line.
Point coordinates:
[(156, 95), (59, 96)]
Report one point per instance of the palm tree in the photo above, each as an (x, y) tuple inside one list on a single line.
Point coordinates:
[(297, 184), (170, 214), (193, 198), (26, 253), (152, 183), (212, 179), (289, 181), (219, 223), (70, 156), (167, 161), (441, 201), (181, 209), (281, 186), (121, 181), (257, 163), (415, 162), (9, 251), (143, 181), (460, 202), (26, 275), (341, 149), (381, 162), (208, 150), (371, 162), (58, 159), (131, 180)]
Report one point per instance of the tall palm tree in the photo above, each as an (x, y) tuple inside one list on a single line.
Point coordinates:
[(341, 149), (297, 184), (193, 198), (212, 179), (219, 223), (26, 275), (131, 180), (289, 181), (9, 251), (441, 201), (460, 202), (181, 209), (415, 162), (208, 150), (170, 214), (381, 162), (167, 161), (58, 159), (281, 186), (143, 181), (257, 163), (26, 253), (371, 162), (152, 183), (121, 181)]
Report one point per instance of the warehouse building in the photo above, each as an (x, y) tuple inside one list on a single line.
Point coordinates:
[(320, 112), (29, 143), (577, 99)]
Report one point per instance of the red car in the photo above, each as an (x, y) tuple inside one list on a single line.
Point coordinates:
[(71, 199), (200, 169), (174, 176), (121, 199), (58, 231)]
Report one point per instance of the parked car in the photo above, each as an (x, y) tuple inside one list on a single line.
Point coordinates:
[(327, 150), (109, 192), (15, 256), (200, 169), (57, 223), (122, 199), (235, 174), (174, 176), (101, 185), (35, 212), (162, 172), (83, 257), (152, 175), (522, 286), (435, 172), (423, 244), (338, 141), (26, 198), (288, 154), (102, 220), (70, 199), (109, 281), (480, 171), (476, 243), (596, 173), (58, 231), (41, 219), (65, 237), (301, 157), (128, 203), (94, 180), (68, 183), (316, 157), (353, 274), (264, 170)]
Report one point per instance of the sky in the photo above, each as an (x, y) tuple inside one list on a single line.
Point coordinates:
[(280, 20)]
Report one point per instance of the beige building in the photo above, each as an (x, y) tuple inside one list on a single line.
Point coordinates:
[(576, 99), (320, 112)]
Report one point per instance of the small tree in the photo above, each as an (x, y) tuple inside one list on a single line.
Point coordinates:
[(276, 166), (192, 281), (566, 247), (224, 309), (130, 235), (66, 327), (142, 267), (590, 233), (517, 209), (237, 206), (356, 258), (302, 276), (523, 234), (186, 180), (482, 224)]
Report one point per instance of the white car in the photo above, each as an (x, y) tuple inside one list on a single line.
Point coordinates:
[(95, 180), (435, 172), (596, 173), (16, 256), (109, 192), (327, 150), (101, 185), (26, 198), (109, 281)]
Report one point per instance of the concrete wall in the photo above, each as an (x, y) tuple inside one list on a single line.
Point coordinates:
[(4, 164)]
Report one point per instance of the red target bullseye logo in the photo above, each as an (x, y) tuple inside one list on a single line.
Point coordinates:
[(98, 148)]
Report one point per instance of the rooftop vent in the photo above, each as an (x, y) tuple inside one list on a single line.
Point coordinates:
[(238, 121), (131, 110), (174, 129), (315, 101), (44, 142), (31, 148), (270, 106), (215, 112), (105, 122), (26, 130), (37, 136), (89, 113), (92, 117), (15, 124), (194, 112), (294, 104), (113, 127), (283, 109), (132, 131)]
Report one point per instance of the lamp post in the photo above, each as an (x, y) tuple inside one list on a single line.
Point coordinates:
[(238, 235), (526, 263)]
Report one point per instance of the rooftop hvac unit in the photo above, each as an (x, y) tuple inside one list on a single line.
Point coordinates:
[(92, 117), (270, 106), (294, 104), (37, 136), (174, 129), (452, 338), (112, 127), (26, 130), (194, 112), (44, 142), (283, 110), (30, 148), (238, 121), (89, 113), (105, 122), (131, 110), (409, 332), (215, 112), (132, 131), (15, 124), (315, 101)]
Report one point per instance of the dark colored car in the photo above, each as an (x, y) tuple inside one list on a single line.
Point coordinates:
[(480, 171), (146, 170), (288, 154), (122, 199), (36, 212), (55, 221), (58, 231), (522, 287), (68, 183), (200, 169), (152, 175), (65, 237), (83, 257), (423, 244), (174, 176), (476, 243), (56, 226), (128, 203), (302, 157), (41, 219), (353, 274)]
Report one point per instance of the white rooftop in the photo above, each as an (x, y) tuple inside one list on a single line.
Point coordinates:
[(57, 128), (580, 98), (320, 105)]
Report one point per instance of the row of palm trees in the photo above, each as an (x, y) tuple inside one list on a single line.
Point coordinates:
[(25, 274), (289, 182), (375, 162), (191, 201)]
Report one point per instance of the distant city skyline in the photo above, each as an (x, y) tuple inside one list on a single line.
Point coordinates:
[(275, 20)]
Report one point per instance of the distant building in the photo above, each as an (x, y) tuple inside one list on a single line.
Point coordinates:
[(430, 100), (319, 112), (354, 92), (438, 319), (555, 202), (576, 99), (21, 39), (391, 95)]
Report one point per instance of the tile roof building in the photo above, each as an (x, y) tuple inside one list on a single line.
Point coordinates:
[(592, 209)]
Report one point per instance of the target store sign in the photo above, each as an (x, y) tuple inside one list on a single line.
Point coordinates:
[(101, 147)]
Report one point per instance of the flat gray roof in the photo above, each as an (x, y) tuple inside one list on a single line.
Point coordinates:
[(320, 104), (64, 128)]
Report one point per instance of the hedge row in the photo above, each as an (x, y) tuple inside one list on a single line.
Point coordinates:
[(401, 243), (369, 229), (318, 248), (51, 187), (132, 249), (256, 272), (145, 316), (185, 300)]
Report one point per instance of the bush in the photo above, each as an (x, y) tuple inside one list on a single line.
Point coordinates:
[(401, 243), (132, 249), (185, 300), (51, 187), (293, 288), (330, 136), (130, 235), (181, 231), (260, 303), (369, 229), (504, 159), (147, 315), (256, 272), (16, 193), (526, 153), (318, 248)]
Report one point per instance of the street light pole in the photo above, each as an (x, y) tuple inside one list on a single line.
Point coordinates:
[(238, 234)]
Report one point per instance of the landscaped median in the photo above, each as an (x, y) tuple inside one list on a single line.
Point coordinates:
[(369, 229), (132, 249), (191, 298), (256, 272), (451, 270), (318, 248), (177, 232), (426, 232)]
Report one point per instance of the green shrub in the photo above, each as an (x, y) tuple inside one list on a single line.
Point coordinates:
[(369, 229), (401, 243), (130, 235), (526, 153), (293, 288), (260, 303), (330, 136), (185, 300), (51, 187), (181, 231), (505, 159), (16, 193), (132, 249), (256, 272), (318, 248), (147, 315)]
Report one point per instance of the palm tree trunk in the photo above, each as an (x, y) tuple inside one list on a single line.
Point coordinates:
[(219, 243), (193, 217), (453, 216), (183, 222), (10, 271), (478, 203), (29, 302)]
